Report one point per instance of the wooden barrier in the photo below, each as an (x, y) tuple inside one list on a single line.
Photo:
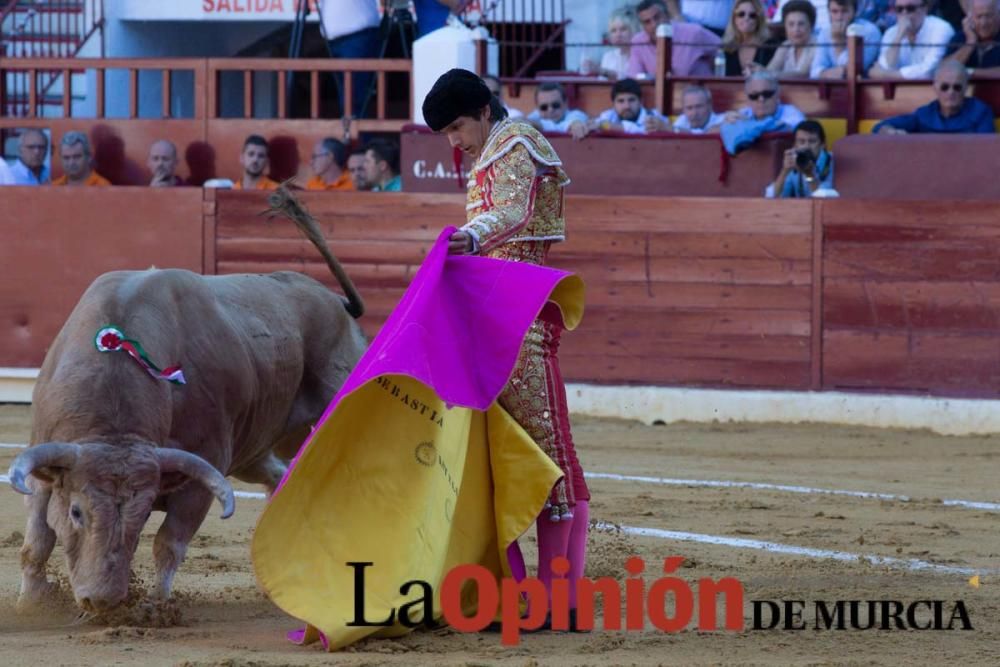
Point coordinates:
[(741, 293), (911, 297), (56, 241), (664, 165), (918, 167)]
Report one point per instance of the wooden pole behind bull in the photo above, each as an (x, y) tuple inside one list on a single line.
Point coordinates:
[(282, 202)]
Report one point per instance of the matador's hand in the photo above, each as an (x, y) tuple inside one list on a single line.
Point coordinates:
[(460, 243)]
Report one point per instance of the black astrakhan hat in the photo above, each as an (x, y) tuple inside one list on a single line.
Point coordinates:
[(458, 92)]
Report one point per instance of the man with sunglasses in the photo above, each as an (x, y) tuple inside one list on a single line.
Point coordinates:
[(763, 91), (952, 112), (913, 47), (552, 114), (977, 47)]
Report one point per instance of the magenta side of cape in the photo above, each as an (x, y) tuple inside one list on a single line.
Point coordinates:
[(458, 328)]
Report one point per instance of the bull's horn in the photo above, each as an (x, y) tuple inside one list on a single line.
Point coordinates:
[(198, 469), (50, 454)]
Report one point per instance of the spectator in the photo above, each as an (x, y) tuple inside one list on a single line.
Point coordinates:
[(356, 167), (329, 166), (711, 14), (831, 53), (254, 160), (764, 93), (698, 117), (747, 42), (30, 169), (351, 28), (807, 167), (793, 59), (819, 11), (627, 113), (913, 47), (493, 83), (692, 51), (622, 27), (382, 166), (877, 12), (552, 114), (977, 47), (952, 112), (77, 162), (162, 162)]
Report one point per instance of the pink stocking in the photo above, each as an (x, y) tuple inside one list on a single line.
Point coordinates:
[(516, 560), (578, 547), (553, 541)]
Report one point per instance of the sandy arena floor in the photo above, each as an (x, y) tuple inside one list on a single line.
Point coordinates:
[(219, 617)]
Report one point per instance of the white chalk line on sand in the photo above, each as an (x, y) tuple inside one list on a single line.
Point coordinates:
[(723, 484), (742, 543), (762, 486), (790, 549)]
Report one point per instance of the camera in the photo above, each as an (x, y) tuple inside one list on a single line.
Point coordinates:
[(804, 159)]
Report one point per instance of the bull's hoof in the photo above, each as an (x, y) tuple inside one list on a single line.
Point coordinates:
[(37, 597)]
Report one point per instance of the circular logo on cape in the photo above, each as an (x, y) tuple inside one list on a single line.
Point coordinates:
[(426, 453)]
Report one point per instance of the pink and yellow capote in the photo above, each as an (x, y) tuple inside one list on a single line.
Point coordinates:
[(414, 466)]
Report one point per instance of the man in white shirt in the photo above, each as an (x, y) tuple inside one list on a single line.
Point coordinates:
[(30, 169), (352, 29), (627, 113), (913, 47), (697, 116), (552, 114)]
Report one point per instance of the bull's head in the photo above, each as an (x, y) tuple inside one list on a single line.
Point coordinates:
[(102, 496)]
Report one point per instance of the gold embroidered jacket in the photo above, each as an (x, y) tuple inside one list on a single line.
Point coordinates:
[(515, 194)]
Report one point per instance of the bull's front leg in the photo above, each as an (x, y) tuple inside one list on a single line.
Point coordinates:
[(39, 540), (186, 509)]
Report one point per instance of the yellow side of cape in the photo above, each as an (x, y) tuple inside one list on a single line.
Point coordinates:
[(396, 479)]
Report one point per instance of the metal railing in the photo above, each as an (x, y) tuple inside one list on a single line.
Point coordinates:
[(46, 30)]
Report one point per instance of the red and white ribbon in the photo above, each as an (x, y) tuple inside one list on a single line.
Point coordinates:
[(111, 339)]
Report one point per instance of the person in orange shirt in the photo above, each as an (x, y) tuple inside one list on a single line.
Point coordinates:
[(76, 156), (328, 163), (253, 159)]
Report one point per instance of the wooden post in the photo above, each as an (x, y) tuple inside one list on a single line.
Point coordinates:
[(664, 84), (855, 64), (482, 57)]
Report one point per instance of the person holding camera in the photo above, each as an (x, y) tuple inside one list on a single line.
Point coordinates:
[(807, 166)]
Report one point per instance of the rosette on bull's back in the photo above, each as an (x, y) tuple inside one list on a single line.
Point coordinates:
[(414, 467)]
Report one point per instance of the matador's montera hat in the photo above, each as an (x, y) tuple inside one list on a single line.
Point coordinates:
[(457, 92)]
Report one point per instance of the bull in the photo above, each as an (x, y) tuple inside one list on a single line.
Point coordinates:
[(262, 355)]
